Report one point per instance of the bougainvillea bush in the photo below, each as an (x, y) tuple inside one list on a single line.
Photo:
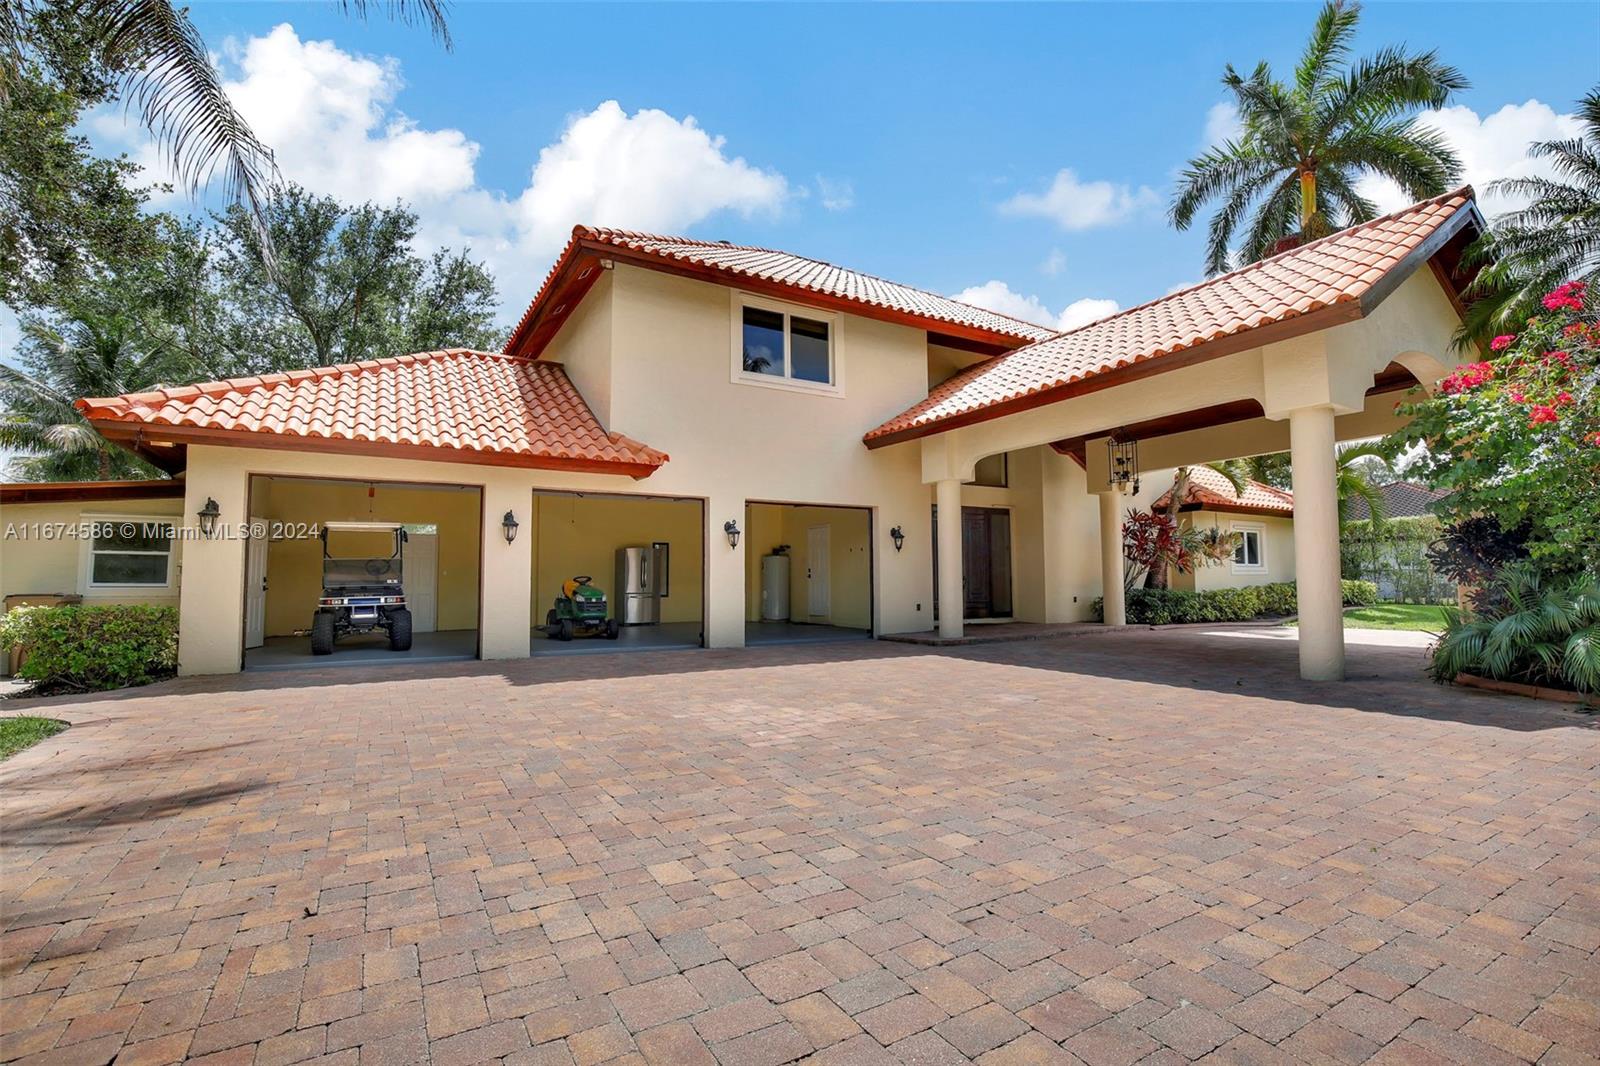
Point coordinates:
[(1516, 437)]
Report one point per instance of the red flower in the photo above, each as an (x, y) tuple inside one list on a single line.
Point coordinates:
[(1564, 358), (1502, 342), (1564, 398), (1517, 397), (1542, 413)]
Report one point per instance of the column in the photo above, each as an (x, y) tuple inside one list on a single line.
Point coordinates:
[(507, 611), (725, 574), (211, 569), (952, 596), (1316, 544), (1116, 613)]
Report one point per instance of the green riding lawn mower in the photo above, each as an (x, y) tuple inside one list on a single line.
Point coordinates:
[(580, 610)]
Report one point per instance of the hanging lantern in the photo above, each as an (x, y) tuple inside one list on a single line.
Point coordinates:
[(1124, 456)]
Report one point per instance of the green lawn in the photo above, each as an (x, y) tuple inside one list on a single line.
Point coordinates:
[(25, 732), (1422, 617)]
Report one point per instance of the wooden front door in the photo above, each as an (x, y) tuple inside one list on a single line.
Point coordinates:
[(985, 562)]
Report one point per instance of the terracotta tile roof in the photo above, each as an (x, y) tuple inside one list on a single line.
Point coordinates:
[(470, 406), (1209, 489), (1401, 499), (796, 273), (1338, 269)]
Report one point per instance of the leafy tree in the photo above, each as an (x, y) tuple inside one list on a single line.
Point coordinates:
[(1555, 238), (1305, 143), (148, 54), (343, 285), (1516, 437), (92, 355)]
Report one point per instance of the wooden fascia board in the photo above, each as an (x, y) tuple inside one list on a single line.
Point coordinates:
[(86, 491), (382, 449)]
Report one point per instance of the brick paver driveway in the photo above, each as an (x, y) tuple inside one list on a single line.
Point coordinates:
[(1152, 847)]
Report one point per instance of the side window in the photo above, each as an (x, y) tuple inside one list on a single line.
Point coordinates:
[(1248, 555), (130, 553)]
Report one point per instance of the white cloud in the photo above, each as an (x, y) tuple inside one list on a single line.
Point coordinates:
[(1491, 147), (1223, 124), (998, 296), (1054, 263), (836, 194), (330, 117), (1080, 205)]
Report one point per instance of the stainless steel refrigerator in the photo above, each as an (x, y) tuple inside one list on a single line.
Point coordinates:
[(640, 584)]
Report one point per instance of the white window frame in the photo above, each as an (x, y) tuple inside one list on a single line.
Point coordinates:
[(740, 376), (1260, 531), (86, 561)]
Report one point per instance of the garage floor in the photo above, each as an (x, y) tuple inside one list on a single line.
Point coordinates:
[(758, 633), (372, 649), (668, 636)]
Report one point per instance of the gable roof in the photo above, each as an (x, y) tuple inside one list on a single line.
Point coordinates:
[(1210, 491), (765, 270), (1401, 499), (455, 405), (1335, 279)]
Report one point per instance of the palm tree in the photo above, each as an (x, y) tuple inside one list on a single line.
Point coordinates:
[(1305, 144), (160, 63), (82, 358), (1355, 466), (1555, 239)]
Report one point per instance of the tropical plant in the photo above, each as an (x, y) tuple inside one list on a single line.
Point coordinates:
[(1541, 632), (1157, 543), (75, 648), (153, 58), (1358, 467), (1554, 238), (1304, 144), (1516, 437), (60, 364)]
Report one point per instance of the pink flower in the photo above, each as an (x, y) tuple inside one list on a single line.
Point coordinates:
[(1542, 413), (1502, 342), (1563, 398), (1517, 397), (1568, 297)]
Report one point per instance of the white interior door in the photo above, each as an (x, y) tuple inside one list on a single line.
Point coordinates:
[(817, 571), (255, 588), (420, 574)]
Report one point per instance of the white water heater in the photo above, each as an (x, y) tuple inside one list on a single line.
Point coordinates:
[(774, 588)]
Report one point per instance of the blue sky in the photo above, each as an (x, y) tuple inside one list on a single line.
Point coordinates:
[(918, 142)]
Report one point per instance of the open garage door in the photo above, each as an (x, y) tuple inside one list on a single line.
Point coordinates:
[(390, 547), (808, 573), (645, 555)]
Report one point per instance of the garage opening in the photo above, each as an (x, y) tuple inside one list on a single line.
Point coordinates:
[(349, 565), (808, 573), (614, 572)]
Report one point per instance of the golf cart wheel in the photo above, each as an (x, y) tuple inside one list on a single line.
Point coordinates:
[(613, 630), (400, 630), (322, 633), (564, 631)]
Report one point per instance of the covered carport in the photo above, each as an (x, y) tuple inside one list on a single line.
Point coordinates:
[(1294, 353)]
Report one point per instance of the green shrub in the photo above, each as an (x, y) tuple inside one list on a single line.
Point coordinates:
[(1160, 607), (77, 648), (1536, 631)]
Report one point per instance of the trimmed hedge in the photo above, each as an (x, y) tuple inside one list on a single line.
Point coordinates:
[(1160, 607), (78, 649)]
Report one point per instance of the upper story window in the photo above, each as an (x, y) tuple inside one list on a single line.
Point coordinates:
[(992, 471), (779, 344)]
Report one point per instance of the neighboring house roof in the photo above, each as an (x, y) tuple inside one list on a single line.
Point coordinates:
[(759, 269), (1210, 491), (89, 491), (1338, 278), (1401, 499), (455, 405)]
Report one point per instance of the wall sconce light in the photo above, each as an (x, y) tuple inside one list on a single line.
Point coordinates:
[(898, 535), (208, 516), (508, 526), (1124, 457), (731, 528)]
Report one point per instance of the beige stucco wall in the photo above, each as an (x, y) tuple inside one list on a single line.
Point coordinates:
[(1277, 545), (850, 561), (294, 566), (33, 565), (580, 535)]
